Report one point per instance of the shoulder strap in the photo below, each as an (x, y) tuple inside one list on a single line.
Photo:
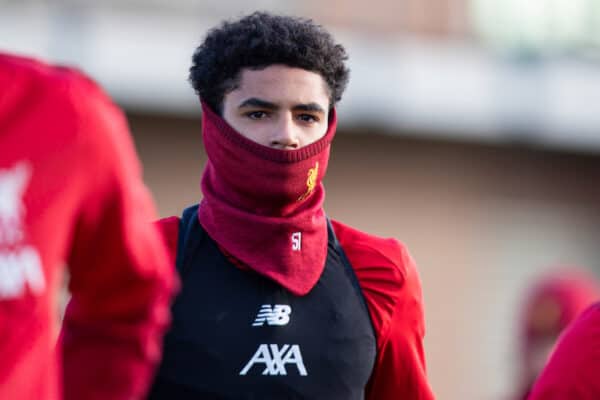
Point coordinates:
[(188, 239), (347, 265)]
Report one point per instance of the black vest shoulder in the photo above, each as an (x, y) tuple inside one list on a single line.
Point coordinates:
[(238, 335)]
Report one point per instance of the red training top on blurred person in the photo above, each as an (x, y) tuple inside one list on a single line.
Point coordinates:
[(71, 193)]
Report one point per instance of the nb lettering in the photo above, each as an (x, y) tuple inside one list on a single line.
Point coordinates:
[(278, 315)]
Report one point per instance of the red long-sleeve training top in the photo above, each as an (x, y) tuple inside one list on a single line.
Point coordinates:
[(71, 194), (573, 371)]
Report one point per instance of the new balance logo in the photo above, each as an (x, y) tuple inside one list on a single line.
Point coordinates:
[(278, 315), (275, 359)]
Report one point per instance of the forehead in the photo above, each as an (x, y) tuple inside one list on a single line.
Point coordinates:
[(282, 83)]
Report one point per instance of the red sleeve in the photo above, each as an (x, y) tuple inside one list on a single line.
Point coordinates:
[(573, 371), (392, 289), (120, 278)]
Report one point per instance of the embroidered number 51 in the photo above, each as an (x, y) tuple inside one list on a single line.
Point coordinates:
[(296, 241)]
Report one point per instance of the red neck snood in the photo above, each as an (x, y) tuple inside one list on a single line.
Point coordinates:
[(264, 206)]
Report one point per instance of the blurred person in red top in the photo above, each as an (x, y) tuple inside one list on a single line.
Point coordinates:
[(278, 301), (555, 300), (573, 371), (71, 193)]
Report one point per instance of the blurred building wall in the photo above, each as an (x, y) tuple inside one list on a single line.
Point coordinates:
[(481, 221), (442, 67)]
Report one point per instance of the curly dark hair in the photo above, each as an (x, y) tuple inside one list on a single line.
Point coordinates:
[(259, 40)]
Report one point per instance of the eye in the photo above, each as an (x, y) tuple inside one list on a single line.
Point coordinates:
[(256, 114), (308, 118)]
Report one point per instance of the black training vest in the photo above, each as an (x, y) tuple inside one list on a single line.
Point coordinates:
[(238, 335)]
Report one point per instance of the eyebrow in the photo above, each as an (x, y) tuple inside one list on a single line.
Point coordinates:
[(314, 107), (256, 102)]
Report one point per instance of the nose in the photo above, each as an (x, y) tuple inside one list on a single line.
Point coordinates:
[(286, 135)]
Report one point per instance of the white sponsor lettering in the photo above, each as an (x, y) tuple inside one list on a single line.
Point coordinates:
[(18, 269), (20, 264), (13, 183), (275, 359)]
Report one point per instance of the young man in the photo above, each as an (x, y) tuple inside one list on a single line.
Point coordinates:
[(573, 371), (276, 302), (71, 192)]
